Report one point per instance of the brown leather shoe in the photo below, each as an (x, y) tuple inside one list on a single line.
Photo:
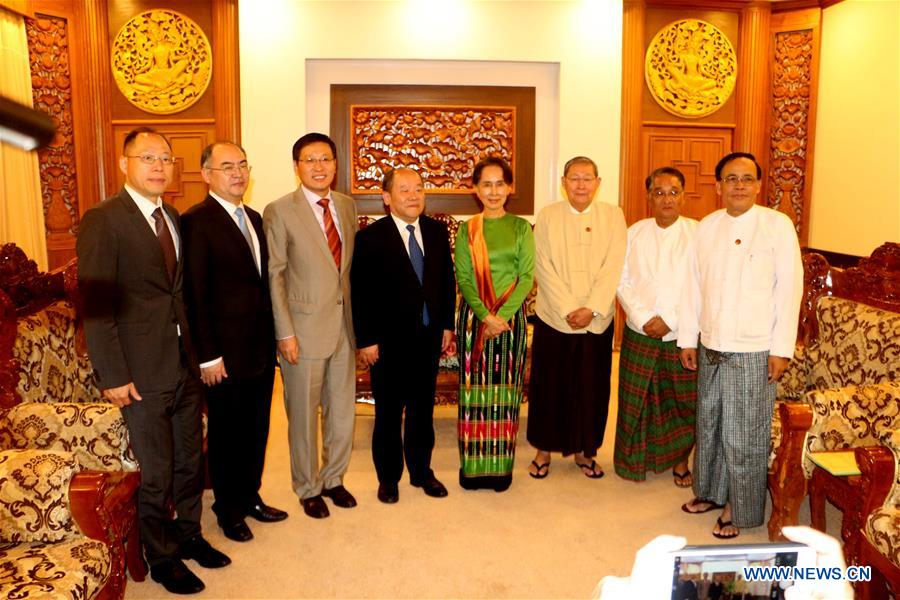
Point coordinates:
[(340, 496), (315, 507)]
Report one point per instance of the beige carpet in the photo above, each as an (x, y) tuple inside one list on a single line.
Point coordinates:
[(550, 538)]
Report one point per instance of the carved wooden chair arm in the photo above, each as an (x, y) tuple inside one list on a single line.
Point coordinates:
[(877, 466)]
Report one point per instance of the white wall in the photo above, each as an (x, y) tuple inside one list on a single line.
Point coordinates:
[(856, 170), (278, 37)]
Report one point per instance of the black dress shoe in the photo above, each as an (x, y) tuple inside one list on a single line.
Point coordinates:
[(340, 496), (266, 514), (239, 532), (199, 549), (388, 493), (432, 487), (176, 577), (315, 507)]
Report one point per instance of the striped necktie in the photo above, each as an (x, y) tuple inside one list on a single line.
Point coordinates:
[(331, 234)]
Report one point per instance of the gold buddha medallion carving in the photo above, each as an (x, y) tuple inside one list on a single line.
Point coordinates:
[(161, 61), (690, 68)]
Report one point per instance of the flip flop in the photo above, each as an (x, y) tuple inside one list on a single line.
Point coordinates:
[(680, 477), (722, 525), (590, 470), (712, 506), (541, 467)]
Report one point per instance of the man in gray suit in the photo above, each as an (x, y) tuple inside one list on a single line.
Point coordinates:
[(130, 273), (310, 234)]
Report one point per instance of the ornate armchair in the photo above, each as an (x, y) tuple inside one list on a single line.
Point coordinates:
[(49, 402), (880, 533), (846, 375), (52, 528)]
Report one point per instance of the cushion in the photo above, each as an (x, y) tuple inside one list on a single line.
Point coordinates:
[(856, 344), (50, 369), (792, 385), (34, 496), (96, 433), (852, 416), (71, 569)]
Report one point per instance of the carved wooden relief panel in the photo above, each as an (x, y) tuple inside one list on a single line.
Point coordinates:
[(695, 153), (791, 97), (48, 49), (442, 143), (440, 131)]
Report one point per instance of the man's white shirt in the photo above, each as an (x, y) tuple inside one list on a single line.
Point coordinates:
[(743, 285), (652, 278)]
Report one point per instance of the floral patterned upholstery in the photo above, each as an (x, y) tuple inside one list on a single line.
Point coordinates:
[(50, 368), (71, 570), (850, 417), (95, 433), (882, 527), (43, 553), (857, 343)]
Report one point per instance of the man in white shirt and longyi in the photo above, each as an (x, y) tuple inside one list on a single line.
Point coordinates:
[(741, 298)]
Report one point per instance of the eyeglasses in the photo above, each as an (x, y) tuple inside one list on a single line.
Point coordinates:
[(149, 159), (734, 179), (577, 180), (230, 169), (660, 194), (322, 160)]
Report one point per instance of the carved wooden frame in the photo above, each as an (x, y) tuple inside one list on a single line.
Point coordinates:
[(459, 203)]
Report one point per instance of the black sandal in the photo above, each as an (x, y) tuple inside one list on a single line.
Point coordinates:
[(590, 470), (680, 477), (722, 525), (539, 468)]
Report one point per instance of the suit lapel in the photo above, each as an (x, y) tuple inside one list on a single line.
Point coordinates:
[(347, 232), (305, 214), (142, 233), (225, 224)]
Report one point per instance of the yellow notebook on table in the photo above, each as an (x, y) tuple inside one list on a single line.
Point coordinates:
[(840, 462)]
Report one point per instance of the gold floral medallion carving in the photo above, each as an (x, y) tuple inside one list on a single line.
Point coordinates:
[(690, 68), (161, 61)]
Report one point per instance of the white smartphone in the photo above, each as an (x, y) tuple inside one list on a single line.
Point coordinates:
[(737, 570)]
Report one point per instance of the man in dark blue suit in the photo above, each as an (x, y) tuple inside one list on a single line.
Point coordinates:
[(130, 273), (226, 289), (404, 297)]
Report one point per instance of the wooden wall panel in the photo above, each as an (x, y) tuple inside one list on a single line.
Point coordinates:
[(695, 152)]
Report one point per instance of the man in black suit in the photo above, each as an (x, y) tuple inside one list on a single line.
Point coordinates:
[(130, 277), (226, 288), (404, 296)]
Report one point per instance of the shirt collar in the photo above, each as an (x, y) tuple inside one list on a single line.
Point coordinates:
[(312, 197), (574, 211), (146, 205), (226, 204), (401, 224)]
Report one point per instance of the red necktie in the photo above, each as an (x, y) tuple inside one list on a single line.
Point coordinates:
[(165, 242), (331, 234)]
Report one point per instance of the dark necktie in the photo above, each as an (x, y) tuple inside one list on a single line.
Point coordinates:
[(165, 242), (242, 223), (331, 234), (418, 262)]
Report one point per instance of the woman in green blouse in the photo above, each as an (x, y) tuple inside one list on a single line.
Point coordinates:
[(495, 271)]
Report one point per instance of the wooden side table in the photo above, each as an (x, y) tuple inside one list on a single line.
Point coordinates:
[(845, 493)]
